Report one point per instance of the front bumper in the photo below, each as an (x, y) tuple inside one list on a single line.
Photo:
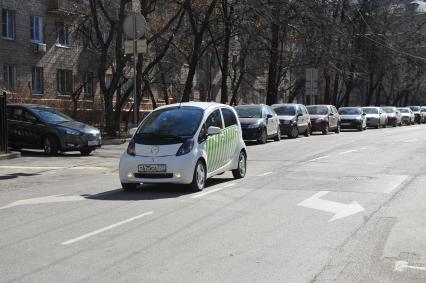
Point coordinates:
[(184, 165), (417, 118), (318, 125), (392, 120), (286, 128), (252, 133), (83, 142), (350, 124), (373, 122)]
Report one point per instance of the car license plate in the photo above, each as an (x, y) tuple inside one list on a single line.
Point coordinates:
[(152, 168), (91, 143)]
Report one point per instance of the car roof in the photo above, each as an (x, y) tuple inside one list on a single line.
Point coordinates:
[(28, 105), (250, 105), (286, 104), (201, 105)]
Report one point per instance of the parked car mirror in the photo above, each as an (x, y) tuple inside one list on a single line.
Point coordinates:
[(299, 115), (213, 131), (363, 114), (132, 131), (331, 114), (269, 116)]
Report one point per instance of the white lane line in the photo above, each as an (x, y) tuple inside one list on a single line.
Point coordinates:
[(363, 148), (264, 174), (318, 158), (412, 140), (207, 193), (106, 228), (349, 151), (402, 266)]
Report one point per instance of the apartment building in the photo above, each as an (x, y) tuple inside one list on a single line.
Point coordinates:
[(42, 59)]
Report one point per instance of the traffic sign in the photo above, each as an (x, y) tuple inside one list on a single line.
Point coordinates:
[(134, 26)]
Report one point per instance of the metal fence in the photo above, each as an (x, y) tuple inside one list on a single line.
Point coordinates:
[(3, 123)]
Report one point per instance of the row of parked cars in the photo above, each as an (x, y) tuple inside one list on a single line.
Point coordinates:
[(262, 122), (189, 142)]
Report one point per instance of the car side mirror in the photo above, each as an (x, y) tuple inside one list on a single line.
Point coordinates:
[(299, 115), (269, 116), (331, 114), (213, 131), (132, 131)]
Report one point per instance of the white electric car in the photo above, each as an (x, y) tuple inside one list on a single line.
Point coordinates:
[(184, 144)]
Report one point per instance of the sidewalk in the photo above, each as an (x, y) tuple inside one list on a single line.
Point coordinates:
[(9, 155)]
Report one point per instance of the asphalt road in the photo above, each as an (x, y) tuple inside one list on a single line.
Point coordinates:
[(336, 208)]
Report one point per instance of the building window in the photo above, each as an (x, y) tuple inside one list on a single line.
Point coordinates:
[(9, 76), (64, 81), (63, 35), (36, 29), (88, 83), (37, 80), (8, 24)]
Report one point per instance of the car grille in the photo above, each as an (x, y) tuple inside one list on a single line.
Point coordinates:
[(347, 121), (154, 175)]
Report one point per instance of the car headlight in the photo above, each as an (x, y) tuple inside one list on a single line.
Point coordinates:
[(253, 126), (186, 147), (72, 132)]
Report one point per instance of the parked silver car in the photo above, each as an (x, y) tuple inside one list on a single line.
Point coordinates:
[(352, 118), (294, 119), (407, 116), (423, 112), (418, 116), (376, 117), (394, 116), (259, 122)]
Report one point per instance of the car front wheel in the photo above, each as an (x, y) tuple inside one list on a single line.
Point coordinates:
[(50, 145), (199, 179), (86, 152), (240, 172), (278, 137), (129, 186)]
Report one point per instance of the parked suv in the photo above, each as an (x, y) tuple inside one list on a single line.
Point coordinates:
[(324, 118), (407, 116), (259, 122), (294, 119), (394, 116), (353, 118)]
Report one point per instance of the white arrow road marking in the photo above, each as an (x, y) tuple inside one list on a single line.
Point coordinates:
[(340, 210), (106, 228), (402, 266), (318, 158), (48, 199)]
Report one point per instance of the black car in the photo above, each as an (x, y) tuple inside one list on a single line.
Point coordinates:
[(41, 127), (259, 122)]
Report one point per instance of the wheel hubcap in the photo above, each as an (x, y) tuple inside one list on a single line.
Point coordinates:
[(47, 147), (242, 165), (200, 176)]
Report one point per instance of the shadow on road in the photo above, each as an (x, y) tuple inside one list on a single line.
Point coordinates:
[(153, 192), (16, 175)]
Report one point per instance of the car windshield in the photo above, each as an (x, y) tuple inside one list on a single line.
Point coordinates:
[(404, 110), (388, 109), (249, 112), (415, 108), (317, 110), (422, 110), (51, 115), (370, 110), (170, 123), (350, 111), (286, 110)]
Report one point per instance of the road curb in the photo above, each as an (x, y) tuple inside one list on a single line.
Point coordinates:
[(9, 155), (114, 141)]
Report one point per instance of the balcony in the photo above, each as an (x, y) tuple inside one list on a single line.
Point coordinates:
[(63, 7)]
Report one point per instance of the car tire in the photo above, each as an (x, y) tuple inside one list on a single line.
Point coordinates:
[(360, 128), (199, 179), (294, 133), (86, 152), (278, 137), (240, 172), (263, 137), (337, 131), (385, 125), (378, 126), (50, 145), (326, 130), (129, 187), (308, 131)]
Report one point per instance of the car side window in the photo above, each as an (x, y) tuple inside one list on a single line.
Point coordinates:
[(299, 110), (18, 114), (28, 117), (214, 120), (229, 117), (9, 112)]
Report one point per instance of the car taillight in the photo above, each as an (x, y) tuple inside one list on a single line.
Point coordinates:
[(186, 147), (131, 148)]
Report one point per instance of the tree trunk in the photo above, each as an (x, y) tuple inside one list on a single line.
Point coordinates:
[(271, 97), (327, 87), (225, 56)]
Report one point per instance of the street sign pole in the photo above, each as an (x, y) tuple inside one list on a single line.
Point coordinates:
[(135, 62)]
